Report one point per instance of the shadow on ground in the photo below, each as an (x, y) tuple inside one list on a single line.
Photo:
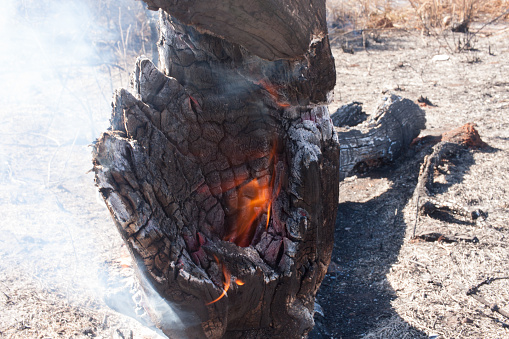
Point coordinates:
[(355, 295)]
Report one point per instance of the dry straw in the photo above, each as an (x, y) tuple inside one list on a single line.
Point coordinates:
[(422, 14)]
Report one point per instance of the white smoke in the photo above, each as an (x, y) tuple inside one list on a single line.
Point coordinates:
[(56, 86)]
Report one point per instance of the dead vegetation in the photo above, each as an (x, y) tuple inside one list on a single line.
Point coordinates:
[(414, 14), (131, 30), (353, 20)]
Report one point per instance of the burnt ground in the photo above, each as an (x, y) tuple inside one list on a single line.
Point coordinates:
[(370, 230), (61, 256), (380, 283)]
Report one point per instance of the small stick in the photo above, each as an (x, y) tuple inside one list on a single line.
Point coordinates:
[(482, 27), (7, 287), (486, 281), (494, 307), (416, 213), (6, 295)]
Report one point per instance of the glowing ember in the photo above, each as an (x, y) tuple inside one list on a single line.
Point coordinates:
[(273, 91), (239, 282)]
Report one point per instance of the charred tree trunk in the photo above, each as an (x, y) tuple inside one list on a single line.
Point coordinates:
[(220, 168)]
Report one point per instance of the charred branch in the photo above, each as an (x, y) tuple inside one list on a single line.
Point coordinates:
[(449, 145), (395, 123)]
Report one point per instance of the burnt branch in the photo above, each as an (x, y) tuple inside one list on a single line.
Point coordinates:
[(449, 145), (395, 123)]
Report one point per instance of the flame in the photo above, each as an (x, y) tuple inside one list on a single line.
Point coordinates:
[(227, 279), (125, 259), (273, 91), (255, 198)]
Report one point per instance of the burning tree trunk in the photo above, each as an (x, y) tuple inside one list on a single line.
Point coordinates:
[(220, 168)]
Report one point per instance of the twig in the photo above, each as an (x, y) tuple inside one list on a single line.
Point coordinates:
[(416, 213), (486, 281), (494, 307), (6, 295), (467, 43), (439, 237)]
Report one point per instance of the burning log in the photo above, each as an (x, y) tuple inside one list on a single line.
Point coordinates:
[(220, 168)]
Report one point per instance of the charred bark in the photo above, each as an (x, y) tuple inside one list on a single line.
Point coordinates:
[(220, 168), (395, 123), (269, 29), (349, 115)]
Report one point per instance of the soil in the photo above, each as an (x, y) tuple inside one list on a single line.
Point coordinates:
[(381, 284), (61, 256)]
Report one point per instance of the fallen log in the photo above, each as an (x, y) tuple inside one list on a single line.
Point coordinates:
[(454, 143), (393, 126), (349, 115), (220, 168)]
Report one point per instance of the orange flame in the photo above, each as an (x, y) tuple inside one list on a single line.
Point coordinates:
[(255, 198), (273, 91), (227, 278), (254, 201), (125, 259)]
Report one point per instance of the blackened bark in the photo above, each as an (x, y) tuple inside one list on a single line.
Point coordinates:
[(349, 115), (194, 145), (395, 123), (269, 29)]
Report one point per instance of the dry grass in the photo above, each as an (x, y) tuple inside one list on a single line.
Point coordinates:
[(131, 29), (432, 279), (422, 14), (360, 14)]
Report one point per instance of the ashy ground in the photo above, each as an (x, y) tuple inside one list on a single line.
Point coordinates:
[(381, 284), (61, 255)]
